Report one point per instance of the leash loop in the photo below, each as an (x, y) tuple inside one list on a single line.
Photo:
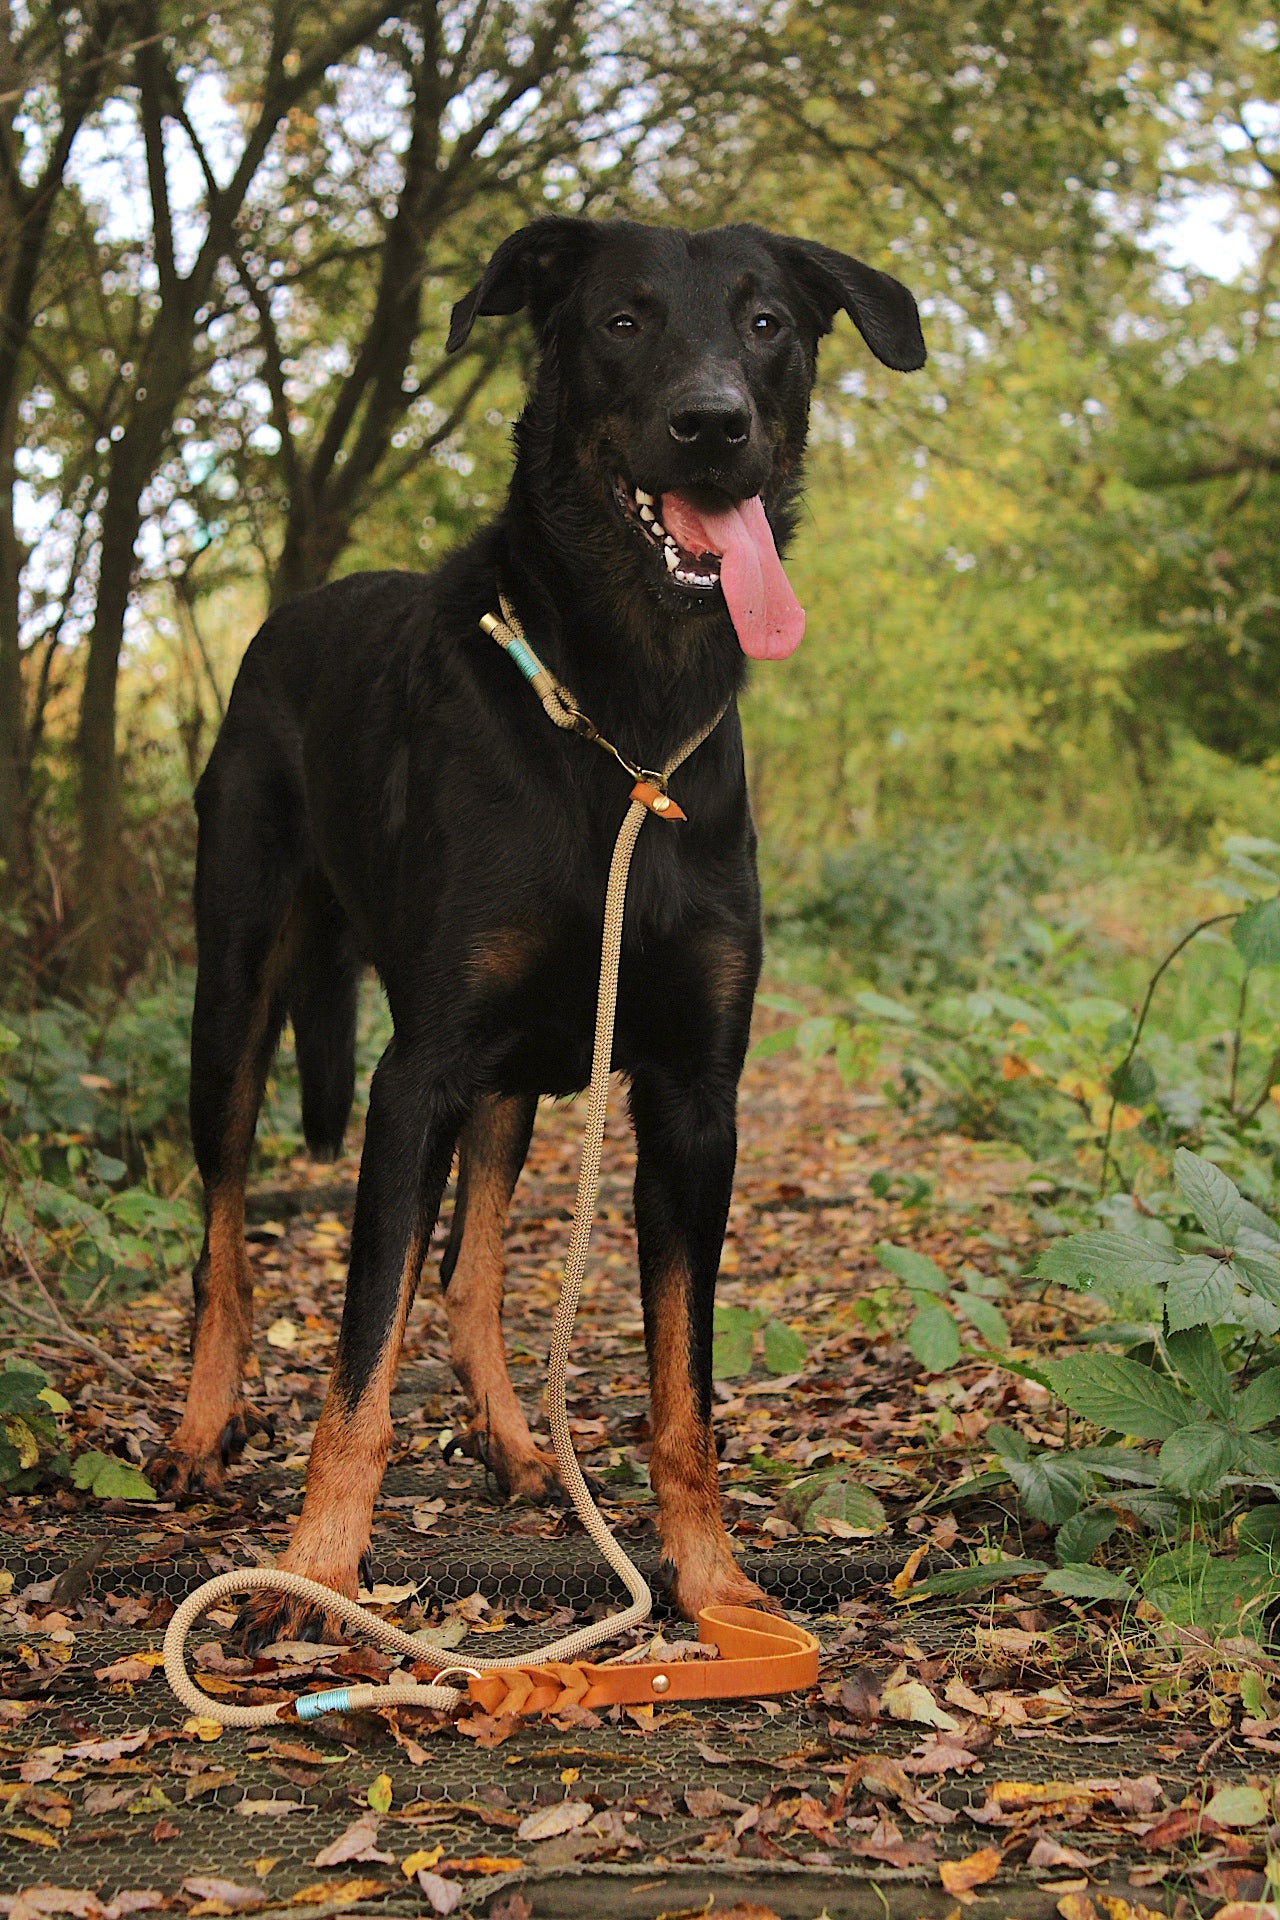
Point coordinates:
[(760, 1653)]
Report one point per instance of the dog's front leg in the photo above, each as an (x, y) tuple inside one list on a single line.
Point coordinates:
[(686, 1141), (408, 1148)]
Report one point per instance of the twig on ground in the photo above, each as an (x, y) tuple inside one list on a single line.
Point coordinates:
[(65, 1332)]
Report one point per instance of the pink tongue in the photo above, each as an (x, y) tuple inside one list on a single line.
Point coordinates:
[(767, 617)]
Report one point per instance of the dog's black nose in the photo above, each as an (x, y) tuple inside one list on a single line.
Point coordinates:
[(713, 420)]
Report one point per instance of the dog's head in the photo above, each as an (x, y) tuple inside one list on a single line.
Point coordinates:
[(663, 441)]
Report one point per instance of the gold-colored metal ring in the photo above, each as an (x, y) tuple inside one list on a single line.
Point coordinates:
[(438, 1679)]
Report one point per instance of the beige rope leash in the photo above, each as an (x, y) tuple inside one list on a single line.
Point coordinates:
[(649, 792)]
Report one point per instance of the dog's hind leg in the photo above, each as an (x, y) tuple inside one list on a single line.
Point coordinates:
[(491, 1152), (686, 1144), (246, 931), (408, 1149)]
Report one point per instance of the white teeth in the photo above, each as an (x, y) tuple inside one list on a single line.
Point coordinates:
[(672, 558), (647, 515), (643, 499)]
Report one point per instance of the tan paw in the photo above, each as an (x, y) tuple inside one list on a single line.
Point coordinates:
[(181, 1469), (707, 1575), (521, 1470)]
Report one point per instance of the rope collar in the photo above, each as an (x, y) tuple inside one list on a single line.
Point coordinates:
[(562, 709)]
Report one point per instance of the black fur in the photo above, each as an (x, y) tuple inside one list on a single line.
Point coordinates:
[(387, 790)]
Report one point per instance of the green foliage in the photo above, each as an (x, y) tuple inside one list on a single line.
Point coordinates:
[(831, 1495), (108, 1478), (733, 1343), (1199, 1390), (30, 1449), (934, 1333)]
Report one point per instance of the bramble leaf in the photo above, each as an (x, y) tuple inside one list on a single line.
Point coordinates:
[(1214, 1199), (1121, 1395), (1196, 1460), (934, 1338), (1195, 1355)]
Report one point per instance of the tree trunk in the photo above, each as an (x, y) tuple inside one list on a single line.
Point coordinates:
[(98, 875), (314, 539), (13, 758)]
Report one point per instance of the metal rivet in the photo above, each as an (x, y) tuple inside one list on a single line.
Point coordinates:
[(660, 1683), (661, 803)]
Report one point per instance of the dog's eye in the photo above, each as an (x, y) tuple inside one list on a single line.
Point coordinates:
[(622, 323), (766, 326)]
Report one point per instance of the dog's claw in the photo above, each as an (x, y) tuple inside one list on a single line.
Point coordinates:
[(268, 1617), (366, 1569)]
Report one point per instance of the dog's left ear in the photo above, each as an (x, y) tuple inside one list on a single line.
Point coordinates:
[(881, 308), (533, 268)]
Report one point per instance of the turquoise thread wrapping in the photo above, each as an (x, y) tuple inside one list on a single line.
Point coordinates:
[(311, 1705), (527, 661)]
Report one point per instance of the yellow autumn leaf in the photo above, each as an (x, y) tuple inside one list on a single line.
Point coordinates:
[(21, 1437), (424, 1857), (379, 1794), (203, 1726)]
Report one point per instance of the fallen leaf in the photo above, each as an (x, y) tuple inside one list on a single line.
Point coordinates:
[(208, 1782), (913, 1701), (34, 1836), (379, 1794), (34, 1902), (1048, 1853), (564, 1817), (295, 1750), (424, 1857), (282, 1333), (487, 1731), (511, 1906), (222, 1896), (101, 1751), (106, 1799), (203, 1726), (348, 1891), (443, 1895), (1006, 1640), (902, 1580), (941, 1754), (135, 1900), (705, 1802), (1077, 1906), (1007, 1799), (164, 1830), (264, 1863), (359, 1842), (272, 1806), (961, 1876), (1238, 1807), (134, 1666)]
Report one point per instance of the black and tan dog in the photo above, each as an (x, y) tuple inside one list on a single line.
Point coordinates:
[(387, 790)]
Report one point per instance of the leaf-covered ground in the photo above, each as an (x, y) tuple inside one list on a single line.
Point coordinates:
[(1003, 1755)]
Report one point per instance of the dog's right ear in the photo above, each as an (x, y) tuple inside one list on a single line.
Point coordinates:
[(533, 268)]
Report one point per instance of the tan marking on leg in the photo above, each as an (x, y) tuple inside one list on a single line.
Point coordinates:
[(682, 1466), (504, 957), (473, 1300), (348, 1458), (223, 1335)]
